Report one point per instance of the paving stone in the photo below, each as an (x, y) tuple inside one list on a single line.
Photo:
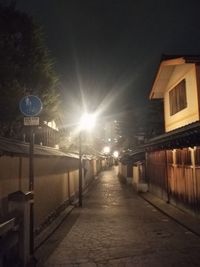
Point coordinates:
[(88, 264), (116, 227)]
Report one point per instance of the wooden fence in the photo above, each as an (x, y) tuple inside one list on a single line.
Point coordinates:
[(174, 175)]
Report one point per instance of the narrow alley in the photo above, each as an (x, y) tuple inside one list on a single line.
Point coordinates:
[(116, 227)]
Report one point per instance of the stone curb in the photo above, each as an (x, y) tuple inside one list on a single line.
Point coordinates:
[(51, 228), (186, 220), (55, 223)]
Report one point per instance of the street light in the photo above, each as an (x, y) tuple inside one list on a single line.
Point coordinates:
[(116, 154), (106, 150), (87, 122)]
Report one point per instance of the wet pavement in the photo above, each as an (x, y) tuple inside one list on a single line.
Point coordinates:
[(116, 227)]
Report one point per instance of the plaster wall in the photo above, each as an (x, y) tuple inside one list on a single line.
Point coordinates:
[(191, 112), (56, 179)]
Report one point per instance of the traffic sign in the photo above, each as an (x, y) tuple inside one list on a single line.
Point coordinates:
[(31, 121), (30, 105)]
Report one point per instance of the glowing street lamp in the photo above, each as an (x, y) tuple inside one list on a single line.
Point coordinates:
[(87, 122), (106, 150), (115, 154)]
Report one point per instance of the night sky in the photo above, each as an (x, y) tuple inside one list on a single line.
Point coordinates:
[(108, 51)]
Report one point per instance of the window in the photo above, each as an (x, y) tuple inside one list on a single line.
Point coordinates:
[(177, 98)]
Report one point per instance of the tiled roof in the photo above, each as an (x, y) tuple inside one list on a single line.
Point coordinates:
[(186, 136), (187, 58), (137, 154), (15, 147)]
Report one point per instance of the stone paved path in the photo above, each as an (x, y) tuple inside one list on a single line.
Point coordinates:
[(118, 228)]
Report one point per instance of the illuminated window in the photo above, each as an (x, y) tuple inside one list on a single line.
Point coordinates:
[(177, 98)]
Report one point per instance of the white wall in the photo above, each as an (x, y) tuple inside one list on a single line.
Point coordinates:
[(135, 174), (191, 112), (56, 179)]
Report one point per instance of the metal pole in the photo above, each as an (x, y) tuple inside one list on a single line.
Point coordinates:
[(31, 163), (80, 169), (31, 188)]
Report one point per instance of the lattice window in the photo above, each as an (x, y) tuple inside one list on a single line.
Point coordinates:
[(177, 98)]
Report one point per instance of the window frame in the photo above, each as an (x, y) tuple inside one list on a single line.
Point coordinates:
[(178, 98)]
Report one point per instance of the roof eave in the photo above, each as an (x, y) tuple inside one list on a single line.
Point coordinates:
[(168, 62)]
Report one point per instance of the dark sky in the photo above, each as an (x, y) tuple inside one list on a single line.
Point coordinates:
[(110, 49)]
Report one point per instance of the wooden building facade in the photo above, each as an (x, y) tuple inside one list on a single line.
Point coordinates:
[(174, 175), (173, 159)]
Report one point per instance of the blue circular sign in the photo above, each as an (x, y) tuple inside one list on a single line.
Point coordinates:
[(30, 105)]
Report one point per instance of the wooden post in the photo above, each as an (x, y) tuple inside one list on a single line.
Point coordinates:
[(68, 187), (19, 204), (167, 178)]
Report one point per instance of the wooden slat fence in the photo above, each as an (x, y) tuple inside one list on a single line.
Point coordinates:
[(176, 174)]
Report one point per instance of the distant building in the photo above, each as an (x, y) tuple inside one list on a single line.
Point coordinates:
[(47, 134), (111, 131)]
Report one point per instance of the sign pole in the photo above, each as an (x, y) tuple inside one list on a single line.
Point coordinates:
[(31, 188), (80, 169), (31, 160), (30, 106)]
